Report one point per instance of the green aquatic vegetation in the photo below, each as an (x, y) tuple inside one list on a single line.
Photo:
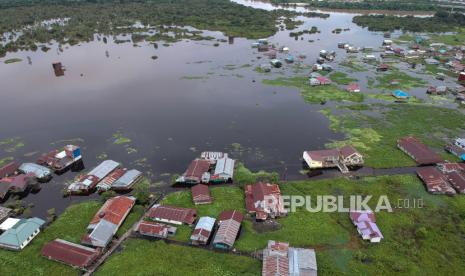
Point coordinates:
[(353, 65), (389, 98), (316, 94), (404, 80), (131, 150), (5, 160), (456, 39), (15, 147), (376, 135), (12, 60), (341, 78), (243, 175), (194, 78), (119, 139)]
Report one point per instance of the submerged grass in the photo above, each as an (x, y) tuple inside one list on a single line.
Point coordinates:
[(12, 60), (341, 78), (405, 81), (316, 94), (376, 135)]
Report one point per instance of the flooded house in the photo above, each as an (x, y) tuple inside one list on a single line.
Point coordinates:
[(276, 63), (106, 183), (65, 252), (8, 169), (435, 181), (289, 59), (224, 170), (264, 201), (172, 215), (437, 90), (202, 231), (399, 94), (16, 184), (58, 160), (20, 233), (365, 222), (265, 67), (383, 67), (41, 173), (87, 183), (353, 88), (432, 61), (127, 181), (418, 151), (341, 158), (59, 69), (457, 148), (280, 259), (387, 42), (197, 172), (107, 221), (201, 194), (155, 229), (229, 226)]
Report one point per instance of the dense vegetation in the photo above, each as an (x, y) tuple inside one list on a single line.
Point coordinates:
[(440, 22), (397, 5), (75, 21)]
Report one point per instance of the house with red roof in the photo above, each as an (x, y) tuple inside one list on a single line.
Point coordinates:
[(173, 215), (366, 225), (201, 194), (353, 88), (69, 253), (435, 181), (264, 201), (107, 221), (155, 229), (341, 158), (197, 172)]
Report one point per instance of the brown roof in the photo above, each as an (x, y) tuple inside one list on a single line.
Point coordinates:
[(231, 214), (197, 168), (151, 228), (418, 151), (435, 181), (457, 179), (258, 192), (18, 183), (451, 167), (183, 215), (347, 151), (201, 194), (8, 169), (69, 253), (114, 210)]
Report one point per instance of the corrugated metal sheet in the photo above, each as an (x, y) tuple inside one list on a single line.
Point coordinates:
[(225, 166), (127, 179), (104, 168), (69, 253), (39, 171), (302, 262)]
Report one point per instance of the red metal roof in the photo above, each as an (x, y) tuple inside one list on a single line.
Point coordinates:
[(435, 181), (347, 151), (418, 151), (231, 214), (114, 210), (457, 179), (8, 169), (69, 253), (258, 192), (197, 168), (358, 216), (275, 265), (151, 228), (201, 194), (19, 182), (183, 215)]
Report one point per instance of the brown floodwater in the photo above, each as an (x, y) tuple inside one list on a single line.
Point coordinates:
[(193, 97)]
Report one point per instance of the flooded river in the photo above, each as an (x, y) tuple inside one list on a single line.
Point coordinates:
[(193, 97)]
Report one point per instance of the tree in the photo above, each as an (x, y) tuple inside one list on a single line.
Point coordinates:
[(142, 192), (107, 195)]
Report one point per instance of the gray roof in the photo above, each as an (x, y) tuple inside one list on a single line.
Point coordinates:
[(127, 179), (104, 168), (225, 166), (302, 262), (39, 171), (20, 232), (103, 233)]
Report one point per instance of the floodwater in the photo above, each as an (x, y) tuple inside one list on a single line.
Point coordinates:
[(194, 97)]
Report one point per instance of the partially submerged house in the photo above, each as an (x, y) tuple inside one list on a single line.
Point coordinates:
[(224, 170), (58, 160), (264, 201), (69, 253), (59, 69), (418, 151), (41, 173), (16, 184), (173, 215), (8, 169), (383, 67), (366, 225), (341, 158), (127, 181), (435, 181), (437, 90), (276, 63), (197, 172), (155, 229), (87, 183), (201, 194), (107, 221), (399, 94), (203, 230), (21, 233), (353, 88), (229, 225), (280, 259)]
